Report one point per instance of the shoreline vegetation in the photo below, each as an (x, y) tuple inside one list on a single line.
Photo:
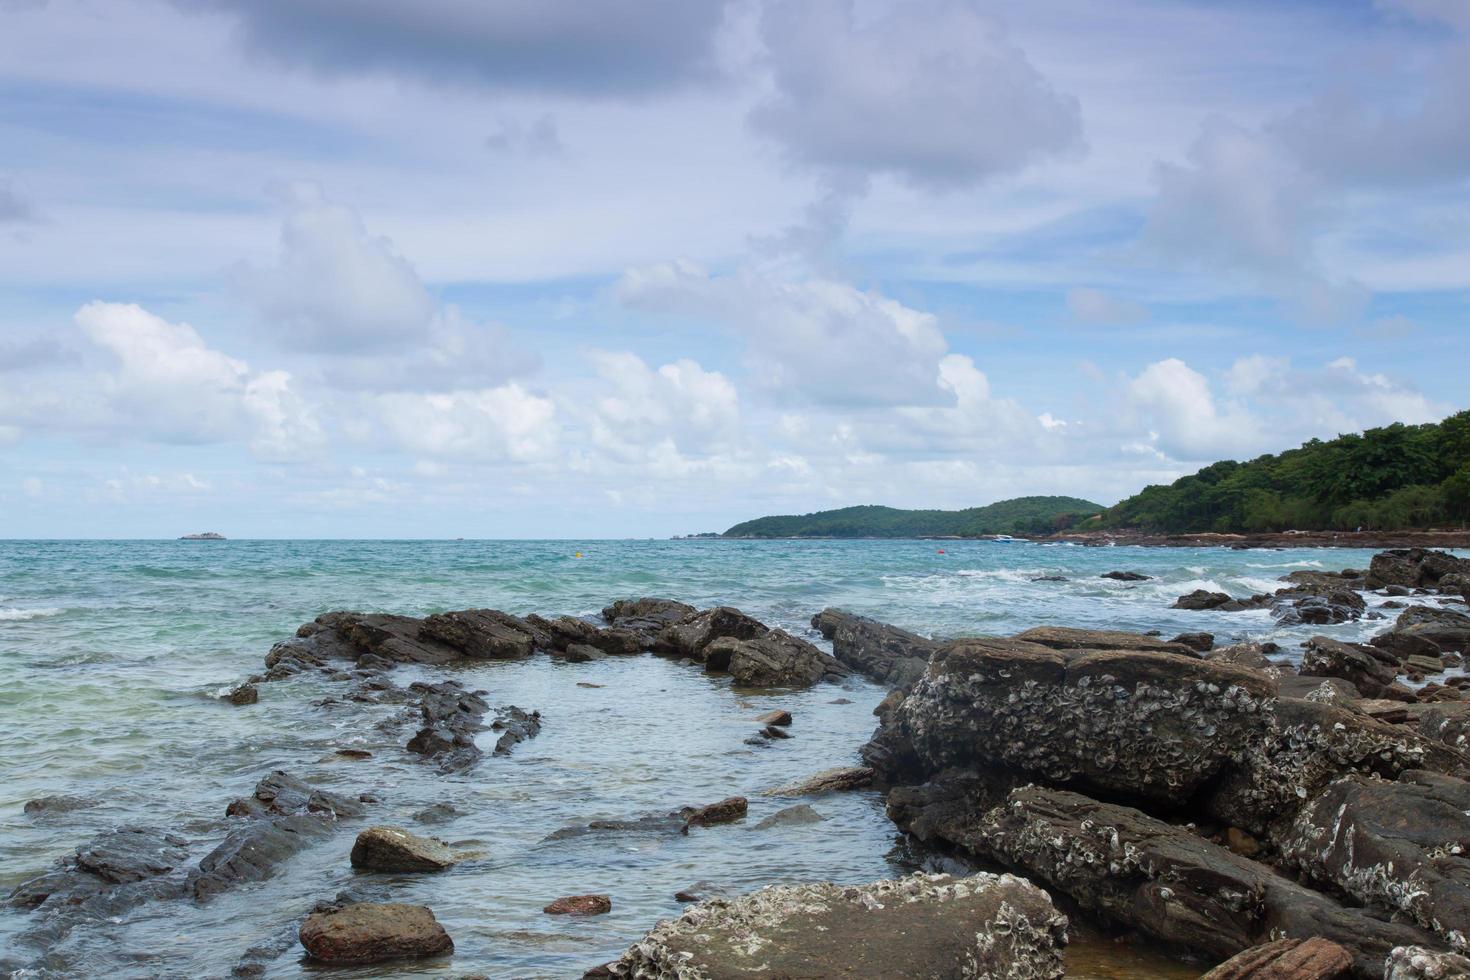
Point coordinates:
[(1395, 486), (1227, 803)]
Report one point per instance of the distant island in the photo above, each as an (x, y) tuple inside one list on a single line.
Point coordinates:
[(1019, 516), (1398, 477), (206, 536)]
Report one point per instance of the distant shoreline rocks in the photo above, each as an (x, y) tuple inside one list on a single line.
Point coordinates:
[(203, 536)]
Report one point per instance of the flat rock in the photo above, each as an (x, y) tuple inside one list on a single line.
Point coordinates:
[(58, 804), (395, 849), (920, 926), (1067, 638), (131, 854), (580, 905), (1286, 959), (827, 781), (1126, 576), (371, 932)]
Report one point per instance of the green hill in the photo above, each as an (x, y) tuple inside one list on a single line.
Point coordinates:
[(1396, 477), (1023, 515)]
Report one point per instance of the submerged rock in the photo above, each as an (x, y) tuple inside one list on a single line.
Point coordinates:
[(372, 933), (131, 854), (395, 849), (58, 804), (918, 926), (580, 905), (451, 717), (515, 726), (828, 781), (792, 816), (1126, 576), (884, 653), (242, 695)]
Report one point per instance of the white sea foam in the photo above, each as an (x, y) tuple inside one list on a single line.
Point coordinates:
[(1310, 563), (7, 614)]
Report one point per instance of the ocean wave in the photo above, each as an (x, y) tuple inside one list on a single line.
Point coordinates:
[(8, 614), (1309, 563)]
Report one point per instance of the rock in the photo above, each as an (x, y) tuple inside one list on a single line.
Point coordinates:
[(131, 854), (1126, 576), (438, 813), (581, 653), (370, 932), (1286, 959), (1446, 723), (876, 650), (515, 726), (778, 717), (282, 794), (580, 905), (1064, 638), (1364, 667), (727, 810), (451, 717), (1418, 963), (363, 637), (242, 695), (1445, 630), (1401, 845), (774, 733), (1127, 867), (1325, 690), (564, 632), (1456, 583), (1252, 655), (395, 849), (773, 659), (1050, 578), (828, 781), (797, 815), (918, 926), (1296, 606), (58, 804), (1199, 642), (1241, 843), (653, 823), (647, 616), (1201, 599), (481, 634), (689, 637), (255, 851), (1413, 568)]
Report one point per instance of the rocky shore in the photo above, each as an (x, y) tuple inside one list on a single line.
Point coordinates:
[(1273, 816), (1446, 538)]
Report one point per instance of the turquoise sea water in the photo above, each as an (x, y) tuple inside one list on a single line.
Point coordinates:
[(112, 655)]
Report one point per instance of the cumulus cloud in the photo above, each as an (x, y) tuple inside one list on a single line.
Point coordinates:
[(169, 386), (677, 407), (1095, 306), (815, 340), (610, 48), (933, 92), (1187, 423), (503, 424)]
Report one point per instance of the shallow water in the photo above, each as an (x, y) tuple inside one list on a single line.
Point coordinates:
[(111, 654)]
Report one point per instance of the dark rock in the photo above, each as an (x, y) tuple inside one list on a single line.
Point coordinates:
[(727, 810), (515, 726), (792, 816), (58, 804), (1362, 666), (1401, 845), (580, 905), (1066, 638), (1413, 568), (1287, 959), (354, 636), (773, 733), (242, 695), (481, 634), (1126, 576), (357, 755), (451, 717), (581, 653), (395, 849), (255, 851), (1201, 599), (1426, 631), (282, 794), (918, 926), (131, 854), (438, 813), (372, 933), (1297, 606), (876, 650), (565, 632), (1456, 583), (777, 717), (1200, 642), (829, 781), (689, 637), (773, 659), (1050, 578), (648, 616)]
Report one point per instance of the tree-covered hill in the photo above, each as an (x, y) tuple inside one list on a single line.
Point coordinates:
[(1396, 477), (1022, 515)]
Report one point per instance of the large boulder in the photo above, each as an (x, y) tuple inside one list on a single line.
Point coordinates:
[(884, 653), (370, 932), (1367, 668), (689, 637), (353, 636), (647, 615), (1202, 599), (1413, 568), (397, 850), (1426, 631), (772, 659), (1135, 870), (918, 926), (1401, 845)]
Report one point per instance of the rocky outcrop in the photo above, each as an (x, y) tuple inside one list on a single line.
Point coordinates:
[(918, 926), (727, 810), (791, 816), (689, 637), (395, 849), (1426, 630), (451, 717), (515, 725), (647, 616), (480, 634), (876, 650), (1202, 599), (1413, 568), (1066, 638), (370, 932), (1401, 845), (828, 781), (1367, 668), (1286, 959), (773, 659), (1418, 963)]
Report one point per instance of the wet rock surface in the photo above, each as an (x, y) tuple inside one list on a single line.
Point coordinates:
[(580, 905), (374, 933), (827, 781), (1286, 959), (918, 926), (773, 659), (1418, 963), (883, 653), (395, 849)]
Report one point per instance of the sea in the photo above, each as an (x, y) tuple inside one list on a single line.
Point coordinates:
[(114, 654)]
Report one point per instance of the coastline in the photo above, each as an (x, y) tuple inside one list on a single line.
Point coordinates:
[(1377, 540)]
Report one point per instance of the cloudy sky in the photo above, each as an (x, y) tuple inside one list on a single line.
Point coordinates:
[(509, 268)]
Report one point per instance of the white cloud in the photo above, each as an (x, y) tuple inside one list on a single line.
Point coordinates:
[(1095, 306), (933, 92), (679, 406), (169, 386), (816, 340), (507, 423), (1177, 403)]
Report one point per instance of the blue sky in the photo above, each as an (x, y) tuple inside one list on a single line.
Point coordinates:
[(643, 267)]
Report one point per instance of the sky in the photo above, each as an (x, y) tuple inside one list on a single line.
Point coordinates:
[(633, 268)]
